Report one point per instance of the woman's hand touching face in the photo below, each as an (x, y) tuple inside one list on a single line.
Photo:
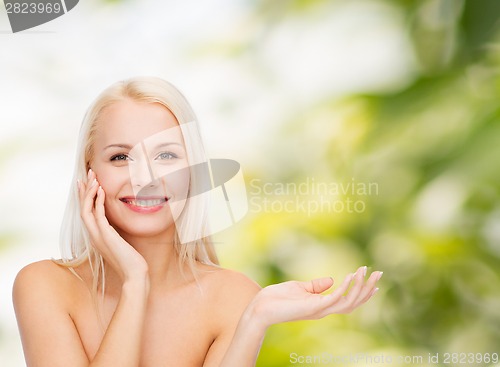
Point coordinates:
[(124, 259), (294, 300)]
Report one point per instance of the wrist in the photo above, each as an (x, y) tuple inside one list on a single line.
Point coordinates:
[(139, 275), (136, 285), (253, 319)]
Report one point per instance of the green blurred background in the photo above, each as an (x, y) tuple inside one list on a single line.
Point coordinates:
[(402, 95), (434, 227)]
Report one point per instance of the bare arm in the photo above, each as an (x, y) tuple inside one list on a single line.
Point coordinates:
[(122, 342), (43, 300), (290, 301), (49, 336), (47, 331)]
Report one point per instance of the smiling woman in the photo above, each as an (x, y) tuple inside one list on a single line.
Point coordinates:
[(131, 291)]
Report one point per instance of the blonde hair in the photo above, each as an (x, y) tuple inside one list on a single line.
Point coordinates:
[(76, 247)]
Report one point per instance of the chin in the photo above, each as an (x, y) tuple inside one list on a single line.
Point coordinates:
[(144, 229)]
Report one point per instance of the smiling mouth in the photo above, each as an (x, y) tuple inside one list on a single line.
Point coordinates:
[(146, 202)]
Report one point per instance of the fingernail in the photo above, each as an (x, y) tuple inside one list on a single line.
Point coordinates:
[(375, 291), (93, 183), (89, 173), (78, 184), (380, 275), (99, 191), (365, 268)]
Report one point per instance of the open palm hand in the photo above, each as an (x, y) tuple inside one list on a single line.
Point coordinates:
[(294, 300)]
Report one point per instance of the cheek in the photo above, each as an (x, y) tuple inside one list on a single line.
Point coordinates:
[(176, 179), (112, 180), (180, 186)]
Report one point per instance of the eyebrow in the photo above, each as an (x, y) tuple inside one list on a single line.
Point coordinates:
[(126, 146)]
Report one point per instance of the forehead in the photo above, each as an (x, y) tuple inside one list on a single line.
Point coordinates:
[(131, 122)]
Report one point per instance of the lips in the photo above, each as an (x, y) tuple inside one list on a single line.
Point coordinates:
[(144, 204), (145, 201)]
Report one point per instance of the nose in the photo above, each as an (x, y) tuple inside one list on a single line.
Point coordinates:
[(142, 174)]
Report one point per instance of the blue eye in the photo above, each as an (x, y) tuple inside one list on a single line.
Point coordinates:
[(119, 157), (167, 155)]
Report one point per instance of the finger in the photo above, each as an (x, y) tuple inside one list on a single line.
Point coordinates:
[(318, 285), (99, 204), (89, 178), (337, 293), (100, 211), (332, 301), (90, 195), (83, 185), (106, 230), (100, 217), (87, 205), (359, 278), (369, 288), (375, 290), (90, 175), (100, 214)]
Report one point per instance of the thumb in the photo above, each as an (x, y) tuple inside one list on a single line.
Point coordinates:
[(319, 285)]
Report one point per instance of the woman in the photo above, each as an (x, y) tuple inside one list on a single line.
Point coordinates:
[(132, 292)]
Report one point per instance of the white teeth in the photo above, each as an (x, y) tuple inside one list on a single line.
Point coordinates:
[(146, 203)]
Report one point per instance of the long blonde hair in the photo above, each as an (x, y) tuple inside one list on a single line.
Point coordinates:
[(76, 247)]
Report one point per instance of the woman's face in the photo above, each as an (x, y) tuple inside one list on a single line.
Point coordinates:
[(140, 161)]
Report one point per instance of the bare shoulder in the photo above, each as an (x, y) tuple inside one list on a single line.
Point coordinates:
[(43, 296), (229, 283), (42, 279), (229, 293), (41, 271)]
